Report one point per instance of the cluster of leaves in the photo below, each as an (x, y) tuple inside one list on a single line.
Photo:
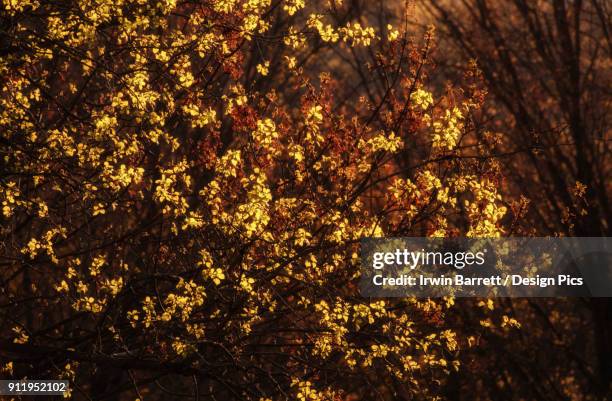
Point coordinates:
[(176, 203)]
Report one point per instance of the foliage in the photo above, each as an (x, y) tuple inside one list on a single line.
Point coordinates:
[(184, 189)]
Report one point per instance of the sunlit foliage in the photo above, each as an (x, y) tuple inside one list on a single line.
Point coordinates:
[(184, 192)]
